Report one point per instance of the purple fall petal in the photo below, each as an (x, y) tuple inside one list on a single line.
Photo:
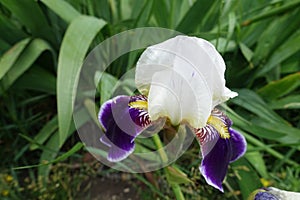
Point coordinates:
[(238, 144), (105, 114), (215, 162), (120, 125), (220, 145)]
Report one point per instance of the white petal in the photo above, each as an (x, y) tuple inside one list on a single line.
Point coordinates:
[(184, 77), (174, 96)]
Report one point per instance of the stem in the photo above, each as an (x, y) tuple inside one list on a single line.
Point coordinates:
[(175, 187), (160, 149), (177, 191)]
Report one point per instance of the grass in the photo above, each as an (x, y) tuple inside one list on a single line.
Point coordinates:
[(42, 52)]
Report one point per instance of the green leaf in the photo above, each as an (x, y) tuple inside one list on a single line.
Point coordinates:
[(251, 35), (160, 11), (212, 19), (90, 106), (146, 143), (247, 178), (4, 46), (30, 15), (38, 79), (257, 161), (53, 145), (289, 102), (288, 6), (248, 53), (45, 133), (264, 130), (291, 65), (281, 87), (142, 152), (253, 103), (107, 87), (261, 145), (64, 156), (25, 61), (178, 9), (144, 15), (9, 58), (291, 134), (223, 45), (266, 123), (273, 130), (286, 50), (176, 176), (69, 153), (284, 26), (10, 32), (62, 9), (75, 44), (231, 24), (194, 15)]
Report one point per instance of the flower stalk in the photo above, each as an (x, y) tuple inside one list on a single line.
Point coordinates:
[(175, 187)]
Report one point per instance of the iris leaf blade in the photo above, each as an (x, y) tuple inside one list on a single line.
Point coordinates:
[(248, 179), (197, 11), (75, 44), (289, 102), (281, 87), (53, 143), (37, 79), (255, 158), (25, 61), (286, 50), (31, 15), (9, 58), (46, 132), (62, 9), (252, 102), (288, 6)]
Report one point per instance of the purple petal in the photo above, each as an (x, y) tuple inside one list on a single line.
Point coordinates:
[(207, 137), (264, 195), (220, 145), (215, 162), (116, 151), (121, 129), (138, 110), (105, 114), (238, 144)]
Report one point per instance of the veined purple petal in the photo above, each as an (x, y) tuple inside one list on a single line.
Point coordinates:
[(138, 110), (264, 195), (214, 165), (207, 137), (220, 145), (118, 119)]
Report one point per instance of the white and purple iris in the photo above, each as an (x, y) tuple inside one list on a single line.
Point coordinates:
[(182, 80)]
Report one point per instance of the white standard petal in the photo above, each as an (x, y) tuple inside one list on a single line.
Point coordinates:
[(186, 73), (180, 99)]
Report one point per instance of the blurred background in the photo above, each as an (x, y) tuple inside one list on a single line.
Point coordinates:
[(43, 44)]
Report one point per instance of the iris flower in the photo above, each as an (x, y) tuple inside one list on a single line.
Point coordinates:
[(272, 193), (181, 80)]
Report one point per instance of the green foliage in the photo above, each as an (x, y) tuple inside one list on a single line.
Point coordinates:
[(75, 44), (41, 53)]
